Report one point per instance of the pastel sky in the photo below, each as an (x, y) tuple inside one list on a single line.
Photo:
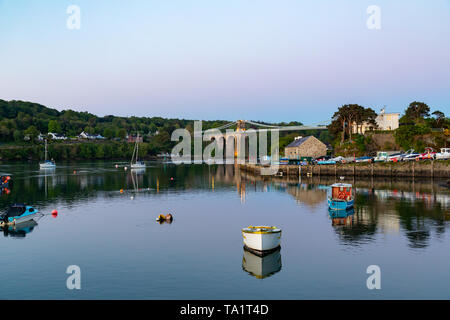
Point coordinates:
[(235, 59)]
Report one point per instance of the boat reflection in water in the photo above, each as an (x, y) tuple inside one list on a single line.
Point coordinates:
[(261, 266), (19, 230), (341, 217)]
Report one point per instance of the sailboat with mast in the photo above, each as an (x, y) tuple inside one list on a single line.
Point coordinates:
[(135, 163), (47, 164)]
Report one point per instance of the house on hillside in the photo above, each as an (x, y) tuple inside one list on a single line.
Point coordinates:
[(56, 136), (385, 121), (133, 139), (89, 136), (305, 147)]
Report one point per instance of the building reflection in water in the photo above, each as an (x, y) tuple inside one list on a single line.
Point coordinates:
[(261, 267), (418, 209)]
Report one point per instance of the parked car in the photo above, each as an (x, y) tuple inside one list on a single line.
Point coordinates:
[(428, 154), (444, 154), (410, 155), (364, 159)]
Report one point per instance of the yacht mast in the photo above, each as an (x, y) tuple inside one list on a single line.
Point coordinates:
[(137, 147)]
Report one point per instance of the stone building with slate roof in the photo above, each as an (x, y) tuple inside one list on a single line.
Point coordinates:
[(305, 147)]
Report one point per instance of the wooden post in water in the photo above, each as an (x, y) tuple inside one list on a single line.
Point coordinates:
[(432, 169), (414, 168), (335, 170), (371, 169)]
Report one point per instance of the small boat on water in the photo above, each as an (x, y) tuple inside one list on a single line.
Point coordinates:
[(47, 164), (18, 213), (135, 163), (340, 196), (261, 239)]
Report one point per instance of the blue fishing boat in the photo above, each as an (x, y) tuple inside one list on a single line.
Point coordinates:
[(340, 196), (18, 213)]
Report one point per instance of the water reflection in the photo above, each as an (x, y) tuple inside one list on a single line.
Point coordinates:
[(261, 267), (20, 230), (419, 209), (341, 217)]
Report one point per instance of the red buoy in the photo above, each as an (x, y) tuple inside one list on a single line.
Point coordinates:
[(54, 213)]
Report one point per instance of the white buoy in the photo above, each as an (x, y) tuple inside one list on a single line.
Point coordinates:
[(125, 168), (117, 166)]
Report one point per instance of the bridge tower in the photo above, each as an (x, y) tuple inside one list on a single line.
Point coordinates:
[(240, 130)]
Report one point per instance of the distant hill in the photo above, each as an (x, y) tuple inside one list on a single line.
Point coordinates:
[(18, 116)]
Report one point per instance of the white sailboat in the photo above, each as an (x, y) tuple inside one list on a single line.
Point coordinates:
[(135, 163), (47, 164)]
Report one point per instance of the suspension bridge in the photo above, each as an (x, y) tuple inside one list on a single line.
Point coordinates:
[(239, 134), (242, 124)]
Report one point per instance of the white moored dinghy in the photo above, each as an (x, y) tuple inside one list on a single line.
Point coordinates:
[(261, 239)]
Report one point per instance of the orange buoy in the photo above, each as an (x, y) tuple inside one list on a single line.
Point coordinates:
[(121, 190), (54, 213), (74, 171)]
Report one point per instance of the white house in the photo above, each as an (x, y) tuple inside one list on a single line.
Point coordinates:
[(57, 136), (89, 136), (384, 121)]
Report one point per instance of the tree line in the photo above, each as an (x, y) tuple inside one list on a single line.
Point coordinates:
[(418, 120)]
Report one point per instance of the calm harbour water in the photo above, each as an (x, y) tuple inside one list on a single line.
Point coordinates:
[(123, 253)]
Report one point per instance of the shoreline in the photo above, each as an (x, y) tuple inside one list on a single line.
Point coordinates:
[(412, 169)]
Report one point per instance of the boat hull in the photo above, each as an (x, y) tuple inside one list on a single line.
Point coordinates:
[(262, 241), (138, 166), (262, 267), (29, 214), (340, 204), (47, 166)]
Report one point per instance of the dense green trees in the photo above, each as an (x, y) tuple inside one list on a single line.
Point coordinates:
[(19, 118), (350, 115), (54, 126), (415, 125), (417, 111)]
